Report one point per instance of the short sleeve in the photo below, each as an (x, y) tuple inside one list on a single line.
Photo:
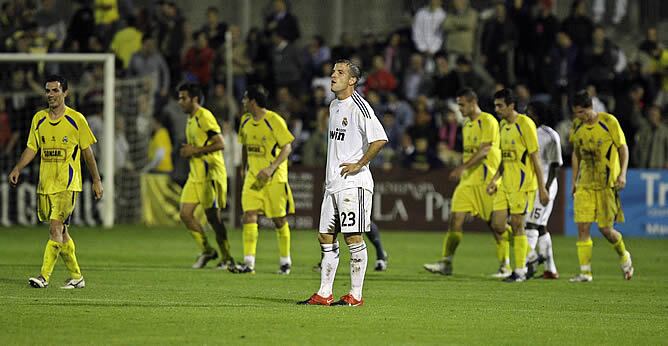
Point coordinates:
[(487, 131), (371, 126), (616, 132), (241, 137), (33, 140), (86, 137), (553, 150), (530, 135), (282, 135), (209, 123)]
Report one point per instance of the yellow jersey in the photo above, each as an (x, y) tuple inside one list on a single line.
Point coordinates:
[(263, 140), (60, 142), (519, 140), (106, 11), (596, 146), (483, 129), (202, 126), (161, 140)]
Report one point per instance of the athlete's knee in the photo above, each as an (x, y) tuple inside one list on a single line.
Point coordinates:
[(353, 238), (56, 229), (186, 216), (326, 238), (457, 221)]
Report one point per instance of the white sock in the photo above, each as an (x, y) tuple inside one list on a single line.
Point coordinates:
[(545, 249), (285, 260), (249, 261), (532, 238), (330, 261), (358, 262)]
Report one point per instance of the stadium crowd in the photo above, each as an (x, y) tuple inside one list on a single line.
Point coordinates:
[(411, 75)]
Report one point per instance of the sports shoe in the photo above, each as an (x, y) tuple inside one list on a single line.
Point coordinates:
[(348, 300), (284, 269), (627, 267), (245, 269), (38, 282), (532, 264), (514, 277), (381, 265), (440, 267), (503, 272), (204, 258), (315, 299), (550, 275), (74, 283), (228, 265), (581, 278)]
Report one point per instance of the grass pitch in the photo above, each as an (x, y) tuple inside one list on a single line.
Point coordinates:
[(141, 290)]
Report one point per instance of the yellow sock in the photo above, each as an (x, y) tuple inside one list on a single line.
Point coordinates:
[(283, 236), (620, 248), (452, 240), (585, 249), (202, 242), (68, 253), (521, 246), (503, 247), (51, 252), (249, 236)]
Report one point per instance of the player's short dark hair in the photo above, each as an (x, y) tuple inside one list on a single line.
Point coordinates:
[(57, 78), (507, 95), (468, 94), (259, 94), (582, 99), (193, 90), (354, 69)]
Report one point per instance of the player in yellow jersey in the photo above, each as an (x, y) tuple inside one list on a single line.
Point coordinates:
[(207, 180), (600, 159), (266, 145), (62, 136), (522, 175), (481, 160)]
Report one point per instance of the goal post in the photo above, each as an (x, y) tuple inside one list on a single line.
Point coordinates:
[(108, 110)]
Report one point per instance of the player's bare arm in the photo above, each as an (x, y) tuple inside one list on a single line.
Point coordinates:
[(26, 157), (89, 158), (267, 172), (575, 164), (624, 165), (542, 191), (476, 159), (372, 151), (189, 150)]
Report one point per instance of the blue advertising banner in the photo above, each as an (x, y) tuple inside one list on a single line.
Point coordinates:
[(644, 201)]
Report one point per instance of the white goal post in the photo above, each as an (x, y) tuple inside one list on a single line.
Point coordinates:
[(108, 111)]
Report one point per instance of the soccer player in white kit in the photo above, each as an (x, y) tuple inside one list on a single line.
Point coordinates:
[(536, 223), (355, 137)]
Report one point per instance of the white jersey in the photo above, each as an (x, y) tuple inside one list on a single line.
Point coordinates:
[(550, 149), (352, 126)]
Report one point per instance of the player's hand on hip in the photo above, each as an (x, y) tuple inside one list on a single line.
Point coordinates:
[(491, 188), (98, 190), (14, 177), (544, 196), (350, 169), (621, 182)]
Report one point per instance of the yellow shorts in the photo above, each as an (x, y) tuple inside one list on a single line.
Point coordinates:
[(209, 194), (473, 199), (272, 200), (600, 206), (517, 202), (56, 206)]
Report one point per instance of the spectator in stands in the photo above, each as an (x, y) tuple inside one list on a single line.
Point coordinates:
[(9, 135), (498, 42), (171, 38), (345, 49), (449, 148), (51, 23), (424, 127), (107, 16), (233, 148), (651, 45), (222, 105), (241, 62), (598, 8), (629, 111), (460, 28), (520, 15), (396, 54), (81, 26), (380, 79), (599, 61), (367, 49), (578, 25), (317, 53), (159, 148), (127, 42), (286, 64), (402, 110), (415, 78), (427, 28), (474, 79), (597, 105), (288, 106), (214, 28), (324, 81), (562, 62), (543, 37), (423, 158), (280, 21), (651, 142), (444, 83), (314, 148), (522, 98), (149, 63), (197, 63)]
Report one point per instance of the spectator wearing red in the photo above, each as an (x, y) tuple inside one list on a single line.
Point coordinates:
[(198, 59), (380, 79)]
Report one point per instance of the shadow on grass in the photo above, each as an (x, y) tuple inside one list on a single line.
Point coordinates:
[(152, 305), (272, 300)]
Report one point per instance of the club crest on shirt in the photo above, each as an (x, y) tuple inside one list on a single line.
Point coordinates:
[(345, 121)]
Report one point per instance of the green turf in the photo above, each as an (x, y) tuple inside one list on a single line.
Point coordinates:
[(140, 290)]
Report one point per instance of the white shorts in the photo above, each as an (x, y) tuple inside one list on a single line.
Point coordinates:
[(346, 211), (541, 213)]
